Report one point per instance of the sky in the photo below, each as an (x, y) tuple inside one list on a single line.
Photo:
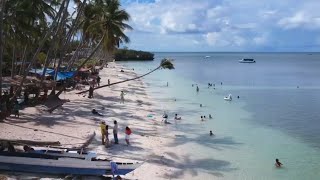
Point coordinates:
[(224, 25)]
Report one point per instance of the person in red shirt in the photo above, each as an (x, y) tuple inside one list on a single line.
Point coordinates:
[(128, 133)]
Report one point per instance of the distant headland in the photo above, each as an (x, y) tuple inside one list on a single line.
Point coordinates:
[(132, 55)]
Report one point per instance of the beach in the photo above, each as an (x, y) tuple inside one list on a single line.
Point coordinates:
[(73, 123), (270, 119)]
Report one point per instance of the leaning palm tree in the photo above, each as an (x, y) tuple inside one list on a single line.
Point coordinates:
[(165, 64), (103, 27)]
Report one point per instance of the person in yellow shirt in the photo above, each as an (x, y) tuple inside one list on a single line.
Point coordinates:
[(104, 132)]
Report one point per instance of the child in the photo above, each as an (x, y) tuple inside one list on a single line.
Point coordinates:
[(128, 133)]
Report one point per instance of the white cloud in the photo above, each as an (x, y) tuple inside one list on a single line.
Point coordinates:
[(300, 20), (225, 23), (260, 40), (224, 38)]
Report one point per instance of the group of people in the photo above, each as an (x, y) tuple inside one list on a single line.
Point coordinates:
[(204, 117), (105, 134)]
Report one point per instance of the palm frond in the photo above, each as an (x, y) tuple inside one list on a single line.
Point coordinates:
[(166, 64)]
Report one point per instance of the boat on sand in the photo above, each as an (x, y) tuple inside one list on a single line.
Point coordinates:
[(51, 164)]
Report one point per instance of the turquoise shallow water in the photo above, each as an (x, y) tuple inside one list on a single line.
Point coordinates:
[(271, 119)]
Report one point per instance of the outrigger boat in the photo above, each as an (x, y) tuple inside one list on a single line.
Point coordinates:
[(53, 164)]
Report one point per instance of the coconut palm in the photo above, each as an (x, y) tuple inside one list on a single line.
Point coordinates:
[(106, 18), (164, 64), (2, 3)]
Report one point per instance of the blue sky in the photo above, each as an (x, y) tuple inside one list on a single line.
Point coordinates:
[(224, 25)]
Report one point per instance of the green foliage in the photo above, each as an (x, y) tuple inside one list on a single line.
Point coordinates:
[(166, 64), (42, 57), (105, 18), (127, 54)]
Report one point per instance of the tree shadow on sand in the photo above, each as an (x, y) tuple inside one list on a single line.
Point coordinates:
[(182, 165)]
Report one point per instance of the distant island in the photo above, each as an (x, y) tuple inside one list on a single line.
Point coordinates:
[(132, 55)]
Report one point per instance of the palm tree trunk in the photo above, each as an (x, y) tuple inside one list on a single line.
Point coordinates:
[(75, 55), (1, 44), (23, 60), (46, 63), (41, 44), (84, 62), (121, 81), (13, 60)]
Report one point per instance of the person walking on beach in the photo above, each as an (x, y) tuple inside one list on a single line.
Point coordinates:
[(98, 80), (91, 92), (122, 97), (103, 128), (128, 133), (16, 109), (108, 81), (115, 132)]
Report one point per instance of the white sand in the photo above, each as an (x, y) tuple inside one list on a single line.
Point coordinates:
[(74, 122)]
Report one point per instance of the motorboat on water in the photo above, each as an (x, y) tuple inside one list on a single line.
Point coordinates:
[(206, 57), (35, 162), (228, 98), (247, 60)]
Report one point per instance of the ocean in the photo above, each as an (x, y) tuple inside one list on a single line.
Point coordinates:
[(275, 116)]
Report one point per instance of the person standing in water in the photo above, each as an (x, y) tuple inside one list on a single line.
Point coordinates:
[(122, 97), (197, 88), (278, 163), (211, 134), (167, 84)]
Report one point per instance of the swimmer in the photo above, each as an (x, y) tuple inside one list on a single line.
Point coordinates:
[(238, 97), (176, 117), (201, 118), (278, 163), (211, 134)]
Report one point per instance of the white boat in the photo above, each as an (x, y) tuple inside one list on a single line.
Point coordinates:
[(42, 163), (206, 57), (247, 60), (228, 98)]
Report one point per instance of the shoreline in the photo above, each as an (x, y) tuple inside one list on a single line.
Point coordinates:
[(73, 123)]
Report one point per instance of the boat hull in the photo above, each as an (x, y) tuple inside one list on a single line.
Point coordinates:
[(63, 166), (242, 61)]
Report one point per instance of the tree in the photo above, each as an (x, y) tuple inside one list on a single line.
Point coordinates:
[(1, 43), (165, 64)]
